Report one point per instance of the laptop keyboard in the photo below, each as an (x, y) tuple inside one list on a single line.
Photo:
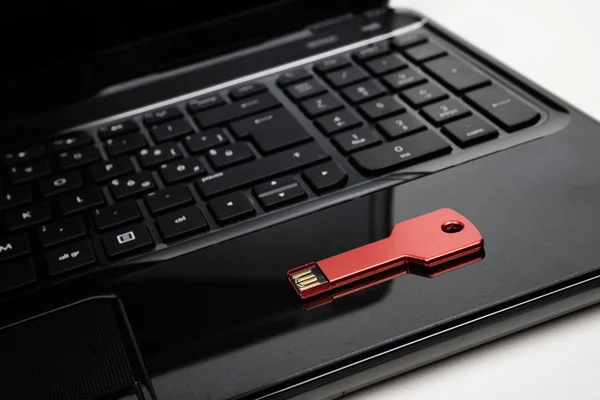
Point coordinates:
[(89, 199)]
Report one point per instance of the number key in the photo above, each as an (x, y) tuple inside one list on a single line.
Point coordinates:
[(77, 158), (157, 155), (181, 170), (401, 125), (423, 95), (28, 171), (381, 108), (125, 144), (131, 185), (24, 155), (320, 105), (229, 155)]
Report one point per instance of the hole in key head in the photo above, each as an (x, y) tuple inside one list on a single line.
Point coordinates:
[(452, 226)]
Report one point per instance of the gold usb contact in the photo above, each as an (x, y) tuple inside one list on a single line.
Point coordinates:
[(308, 278)]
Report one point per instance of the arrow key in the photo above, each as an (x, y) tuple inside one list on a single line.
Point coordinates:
[(325, 177), (231, 207), (289, 192)]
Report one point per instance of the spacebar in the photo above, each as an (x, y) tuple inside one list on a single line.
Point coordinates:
[(260, 169)]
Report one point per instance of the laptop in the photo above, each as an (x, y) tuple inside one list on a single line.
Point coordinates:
[(274, 199)]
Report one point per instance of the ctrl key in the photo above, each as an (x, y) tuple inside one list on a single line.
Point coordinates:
[(127, 240), (16, 274), (70, 257)]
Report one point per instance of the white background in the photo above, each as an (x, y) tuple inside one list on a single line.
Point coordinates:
[(555, 43)]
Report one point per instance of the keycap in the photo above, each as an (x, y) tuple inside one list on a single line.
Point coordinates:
[(29, 170), (70, 257), (204, 103), (131, 185), (403, 79), (345, 77), (71, 141), (372, 50), (424, 52), (181, 170), (337, 122), (469, 131), (325, 177), (401, 153), (167, 199), (507, 110), (230, 155), (14, 196), (320, 105), (456, 74), (355, 139), (239, 109), (231, 207), (114, 168), (127, 240), (125, 144), (61, 183), (401, 125), (61, 231), (205, 141), (381, 108), (81, 200), (423, 95), (331, 64), (119, 128), (277, 197), (261, 169), (274, 185), (17, 274), (14, 246), (363, 91), (181, 223), (408, 40), (249, 89), (28, 215), (79, 157), (16, 157), (118, 214), (445, 111), (171, 130), (153, 156), (304, 90), (159, 116), (385, 64), (289, 77)]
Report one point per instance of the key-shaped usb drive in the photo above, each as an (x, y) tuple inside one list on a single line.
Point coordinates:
[(429, 241)]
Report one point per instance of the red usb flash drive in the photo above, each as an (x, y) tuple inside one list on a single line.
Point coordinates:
[(429, 241)]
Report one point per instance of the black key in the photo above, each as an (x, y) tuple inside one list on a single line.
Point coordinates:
[(24, 155), (205, 141), (132, 185), (424, 94), (507, 110), (14, 196), (168, 199), (425, 52), (363, 91), (320, 105), (160, 154), (236, 110), (355, 139), (181, 170), (119, 128), (322, 178), (204, 103), (171, 130), (125, 144), (230, 155), (160, 116), (401, 153), (403, 79), (71, 141), (81, 200), (61, 231), (402, 125), (274, 185), (371, 51), (445, 111), (304, 90), (26, 216), (14, 246), (381, 108), (331, 64), (469, 131), (111, 169), (293, 76), (30, 170), (181, 223), (70, 257), (60, 183), (337, 122), (456, 74), (231, 207), (118, 214), (408, 40), (249, 89), (345, 77), (273, 198), (17, 274), (385, 64), (78, 158), (261, 169), (127, 240)]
